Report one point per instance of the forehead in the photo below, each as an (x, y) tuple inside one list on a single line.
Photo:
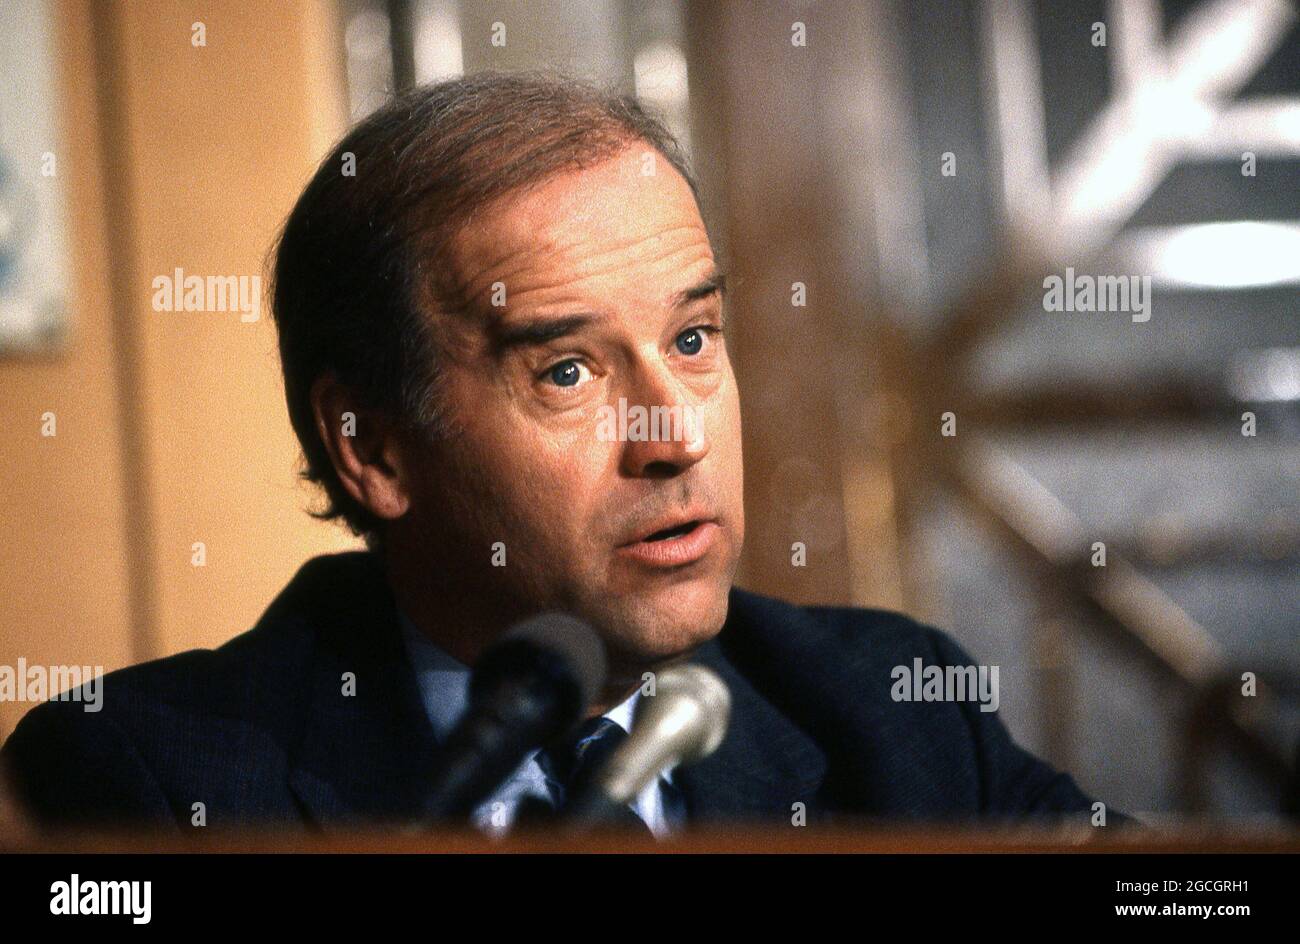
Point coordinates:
[(597, 229)]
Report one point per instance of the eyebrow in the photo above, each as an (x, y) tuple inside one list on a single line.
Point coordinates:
[(537, 331), (714, 283), (534, 332)]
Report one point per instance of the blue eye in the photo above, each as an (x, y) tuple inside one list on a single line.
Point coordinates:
[(565, 374), (690, 342)]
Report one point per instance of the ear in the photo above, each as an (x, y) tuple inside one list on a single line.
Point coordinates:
[(363, 447)]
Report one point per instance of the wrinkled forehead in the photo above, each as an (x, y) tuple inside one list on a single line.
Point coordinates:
[(624, 219)]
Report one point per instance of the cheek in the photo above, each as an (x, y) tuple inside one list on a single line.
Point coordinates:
[(546, 484), (541, 480)]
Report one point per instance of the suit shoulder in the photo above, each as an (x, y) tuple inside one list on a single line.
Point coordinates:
[(834, 669), (248, 667), (175, 699), (216, 723), (859, 634)]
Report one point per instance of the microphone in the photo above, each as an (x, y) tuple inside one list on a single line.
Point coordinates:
[(683, 722), (528, 688)]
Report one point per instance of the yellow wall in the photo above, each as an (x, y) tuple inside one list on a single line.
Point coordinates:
[(182, 413)]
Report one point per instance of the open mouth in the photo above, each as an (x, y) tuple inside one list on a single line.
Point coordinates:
[(669, 533), (671, 548)]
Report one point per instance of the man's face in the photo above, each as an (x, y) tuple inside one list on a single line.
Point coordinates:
[(596, 287)]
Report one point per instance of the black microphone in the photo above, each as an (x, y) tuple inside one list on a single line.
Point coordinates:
[(529, 688)]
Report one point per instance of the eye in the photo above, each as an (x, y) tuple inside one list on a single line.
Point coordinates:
[(566, 373), (691, 341)]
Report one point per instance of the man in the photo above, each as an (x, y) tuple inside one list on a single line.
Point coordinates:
[(474, 284)]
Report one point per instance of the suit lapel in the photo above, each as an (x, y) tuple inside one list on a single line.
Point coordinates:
[(368, 749), (764, 765)]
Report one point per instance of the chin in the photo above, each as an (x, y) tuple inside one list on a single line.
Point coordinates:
[(668, 622)]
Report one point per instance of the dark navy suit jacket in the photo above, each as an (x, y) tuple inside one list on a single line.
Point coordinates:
[(260, 731)]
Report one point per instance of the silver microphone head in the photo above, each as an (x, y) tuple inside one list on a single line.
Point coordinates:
[(684, 721)]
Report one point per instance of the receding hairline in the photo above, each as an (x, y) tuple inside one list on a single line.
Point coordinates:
[(452, 292)]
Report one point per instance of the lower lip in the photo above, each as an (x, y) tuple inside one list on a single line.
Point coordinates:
[(674, 552)]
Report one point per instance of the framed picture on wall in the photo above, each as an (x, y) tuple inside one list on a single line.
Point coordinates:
[(33, 238)]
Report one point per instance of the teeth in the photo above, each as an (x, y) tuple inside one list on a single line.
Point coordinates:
[(672, 532)]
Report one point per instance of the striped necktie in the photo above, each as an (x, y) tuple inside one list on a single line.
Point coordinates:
[(579, 758)]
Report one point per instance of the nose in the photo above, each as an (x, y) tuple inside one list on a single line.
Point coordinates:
[(665, 428)]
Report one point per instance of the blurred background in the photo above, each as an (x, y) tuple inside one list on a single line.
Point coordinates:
[(888, 184)]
